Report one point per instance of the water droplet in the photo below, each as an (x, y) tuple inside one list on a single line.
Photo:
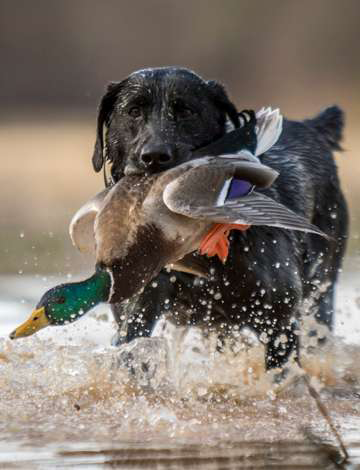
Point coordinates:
[(283, 339), (201, 391), (264, 337)]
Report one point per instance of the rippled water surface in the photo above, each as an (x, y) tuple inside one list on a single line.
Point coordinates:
[(68, 400)]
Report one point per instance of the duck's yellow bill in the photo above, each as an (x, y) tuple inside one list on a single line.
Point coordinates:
[(34, 323)]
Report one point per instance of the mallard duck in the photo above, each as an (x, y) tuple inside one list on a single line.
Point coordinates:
[(144, 223)]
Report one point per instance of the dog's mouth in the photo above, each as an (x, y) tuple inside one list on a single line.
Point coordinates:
[(181, 153), (131, 170)]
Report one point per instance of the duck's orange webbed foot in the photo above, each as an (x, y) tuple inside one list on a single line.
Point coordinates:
[(216, 241)]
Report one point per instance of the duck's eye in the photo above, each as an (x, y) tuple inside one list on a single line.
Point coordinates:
[(59, 300), (182, 110), (239, 188), (135, 111), (35, 318)]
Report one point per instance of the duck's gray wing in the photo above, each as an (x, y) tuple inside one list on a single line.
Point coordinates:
[(256, 209), (82, 224), (201, 194), (206, 182)]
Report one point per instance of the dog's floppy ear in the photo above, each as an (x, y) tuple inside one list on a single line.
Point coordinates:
[(105, 109), (222, 100)]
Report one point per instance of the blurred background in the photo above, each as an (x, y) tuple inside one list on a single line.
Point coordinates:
[(56, 58)]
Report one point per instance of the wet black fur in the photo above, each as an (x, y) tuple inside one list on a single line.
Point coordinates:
[(178, 112), (270, 272)]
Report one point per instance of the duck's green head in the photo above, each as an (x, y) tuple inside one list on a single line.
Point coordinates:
[(66, 303)]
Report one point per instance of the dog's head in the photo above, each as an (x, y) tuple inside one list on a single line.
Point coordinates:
[(154, 118)]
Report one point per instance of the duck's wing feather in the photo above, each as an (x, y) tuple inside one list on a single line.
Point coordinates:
[(268, 129), (256, 209), (82, 224), (201, 194), (207, 182), (269, 124)]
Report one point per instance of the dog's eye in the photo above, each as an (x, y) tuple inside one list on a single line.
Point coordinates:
[(135, 112)]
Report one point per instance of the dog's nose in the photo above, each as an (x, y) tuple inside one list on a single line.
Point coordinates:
[(156, 157)]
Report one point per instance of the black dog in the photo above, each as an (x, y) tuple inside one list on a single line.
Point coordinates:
[(159, 118)]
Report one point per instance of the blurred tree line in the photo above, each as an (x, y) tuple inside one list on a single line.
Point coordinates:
[(60, 54)]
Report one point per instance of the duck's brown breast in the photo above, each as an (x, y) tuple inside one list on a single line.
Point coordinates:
[(145, 257), (121, 215)]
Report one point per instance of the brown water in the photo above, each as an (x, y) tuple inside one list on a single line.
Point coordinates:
[(68, 401)]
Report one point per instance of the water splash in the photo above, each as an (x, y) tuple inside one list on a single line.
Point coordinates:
[(174, 389), (56, 390)]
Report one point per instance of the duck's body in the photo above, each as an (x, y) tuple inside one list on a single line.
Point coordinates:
[(144, 223)]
